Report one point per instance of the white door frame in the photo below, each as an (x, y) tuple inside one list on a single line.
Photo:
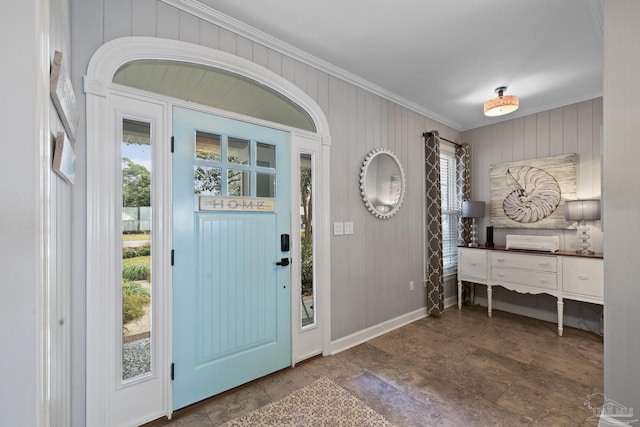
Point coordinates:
[(101, 192)]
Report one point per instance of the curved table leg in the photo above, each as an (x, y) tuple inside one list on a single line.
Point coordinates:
[(489, 292), (459, 294)]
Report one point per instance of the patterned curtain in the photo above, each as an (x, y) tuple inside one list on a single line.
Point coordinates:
[(433, 249), (463, 192)]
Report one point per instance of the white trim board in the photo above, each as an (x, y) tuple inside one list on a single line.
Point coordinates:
[(451, 301), (345, 343)]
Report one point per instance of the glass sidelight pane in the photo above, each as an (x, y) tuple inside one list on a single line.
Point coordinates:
[(136, 239), (307, 273)]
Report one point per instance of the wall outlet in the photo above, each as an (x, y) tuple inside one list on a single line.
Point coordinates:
[(411, 285), (338, 228)]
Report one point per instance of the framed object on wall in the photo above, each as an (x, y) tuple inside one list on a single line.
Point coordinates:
[(63, 96), (532, 193), (64, 159)]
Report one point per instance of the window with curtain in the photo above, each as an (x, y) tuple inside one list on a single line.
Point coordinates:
[(450, 209)]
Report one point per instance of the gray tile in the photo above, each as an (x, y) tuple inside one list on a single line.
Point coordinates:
[(462, 368)]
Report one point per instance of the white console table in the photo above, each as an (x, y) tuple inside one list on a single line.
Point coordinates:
[(564, 275)]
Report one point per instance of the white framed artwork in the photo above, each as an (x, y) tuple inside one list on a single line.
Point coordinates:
[(64, 158), (63, 96)]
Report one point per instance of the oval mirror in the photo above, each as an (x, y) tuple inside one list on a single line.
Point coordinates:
[(382, 183)]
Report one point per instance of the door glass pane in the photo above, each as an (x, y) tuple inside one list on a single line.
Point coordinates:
[(206, 180), (238, 151), (136, 249), (265, 185), (265, 155), (238, 183), (207, 146), (307, 273)]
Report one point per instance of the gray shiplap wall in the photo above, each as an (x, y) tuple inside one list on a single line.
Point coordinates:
[(372, 268), (575, 128)]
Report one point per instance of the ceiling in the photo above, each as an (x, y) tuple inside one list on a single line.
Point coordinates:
[(444, 58)]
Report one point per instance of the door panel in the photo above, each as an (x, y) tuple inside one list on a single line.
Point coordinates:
[(224, 294), (231, 302)]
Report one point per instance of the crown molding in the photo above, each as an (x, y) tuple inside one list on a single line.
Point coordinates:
[(196, 8)]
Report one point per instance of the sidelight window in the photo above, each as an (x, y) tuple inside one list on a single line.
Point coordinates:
[(137, 284)]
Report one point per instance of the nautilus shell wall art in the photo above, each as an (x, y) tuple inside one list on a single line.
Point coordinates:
[(536, 194), (531, 193)]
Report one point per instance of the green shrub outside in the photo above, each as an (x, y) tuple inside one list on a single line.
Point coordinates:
[(134, 300), (134, 252), (306, 272), (136, 272)]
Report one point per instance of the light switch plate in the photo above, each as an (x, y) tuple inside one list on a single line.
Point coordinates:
[(348, 227), (338, 228)]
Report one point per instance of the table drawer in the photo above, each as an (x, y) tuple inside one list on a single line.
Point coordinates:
[(525, 261), (583, 276), (536, 279), (472, 263)]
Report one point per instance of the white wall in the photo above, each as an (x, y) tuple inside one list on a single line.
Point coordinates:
[(622, 202), (575, 128), (23, 234)]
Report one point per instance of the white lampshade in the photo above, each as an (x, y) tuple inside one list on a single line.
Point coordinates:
[(471, 209), (582, 210)]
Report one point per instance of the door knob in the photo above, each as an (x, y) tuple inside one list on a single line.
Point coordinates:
[(283, 262)]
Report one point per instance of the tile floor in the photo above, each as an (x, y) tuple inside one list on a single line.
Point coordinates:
[(462, 369)]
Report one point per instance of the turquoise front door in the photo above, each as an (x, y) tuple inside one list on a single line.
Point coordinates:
[(231, 279)]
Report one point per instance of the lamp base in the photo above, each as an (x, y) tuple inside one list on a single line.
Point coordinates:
[(585, 252), (584, 240), (474, 234)]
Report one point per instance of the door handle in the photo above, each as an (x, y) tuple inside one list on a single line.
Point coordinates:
[(283, 262)]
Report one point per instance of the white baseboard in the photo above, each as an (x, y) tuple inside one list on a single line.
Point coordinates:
[(606, 420), (549, 316), (367, 334), (451, 301), (304, 357)]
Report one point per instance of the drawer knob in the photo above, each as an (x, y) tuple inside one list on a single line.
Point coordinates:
[(473, 264), (544, 264), (500, 275), (544, 281), (583, 277), (500, 259)]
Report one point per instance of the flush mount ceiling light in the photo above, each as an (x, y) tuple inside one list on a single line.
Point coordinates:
[(503, 104)]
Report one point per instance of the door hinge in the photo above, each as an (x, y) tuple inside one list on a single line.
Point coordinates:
[(172, 371), (172, 142), (172, 256)]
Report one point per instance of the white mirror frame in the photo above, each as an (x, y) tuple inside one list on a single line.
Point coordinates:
[(369, 204)]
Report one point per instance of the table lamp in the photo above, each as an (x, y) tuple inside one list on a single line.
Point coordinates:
[(582, 211), (473, 210)]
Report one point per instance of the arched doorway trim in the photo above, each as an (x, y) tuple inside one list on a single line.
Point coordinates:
[(115, 53), (101, 174)]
